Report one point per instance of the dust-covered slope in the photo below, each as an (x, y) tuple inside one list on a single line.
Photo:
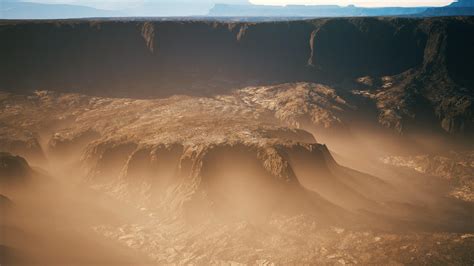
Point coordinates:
[(457, 168), (212, 180), (234, 156), (44, 222), (170, 151)]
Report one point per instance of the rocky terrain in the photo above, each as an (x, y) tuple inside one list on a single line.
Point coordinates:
[(409, 71), (230, 178), (183, 139), (176, 142), (457, 168), (290, 240)]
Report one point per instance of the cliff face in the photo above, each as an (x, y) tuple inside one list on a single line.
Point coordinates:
[(414, 64), (158, 57), (94, 56)]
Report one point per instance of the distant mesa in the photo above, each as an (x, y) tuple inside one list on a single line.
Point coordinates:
[(14, 9), (463, 3), (310, 11), (459, 8), (10, 9)]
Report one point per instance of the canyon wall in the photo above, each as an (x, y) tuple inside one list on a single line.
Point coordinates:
[(413, 68), (103, 56)]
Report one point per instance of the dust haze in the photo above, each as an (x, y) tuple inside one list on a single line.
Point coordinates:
[(129, 144)]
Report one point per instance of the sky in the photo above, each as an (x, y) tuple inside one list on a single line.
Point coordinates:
[(118, 4), (366, 3)]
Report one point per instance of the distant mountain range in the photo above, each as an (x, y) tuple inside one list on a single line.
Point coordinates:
[(10, 9), (17, 9), (22, 9), (459, 8), (463, 3), (310, 11)]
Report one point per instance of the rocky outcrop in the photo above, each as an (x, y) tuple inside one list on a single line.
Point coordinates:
[(14, 170), (299, 105), (435, 93)]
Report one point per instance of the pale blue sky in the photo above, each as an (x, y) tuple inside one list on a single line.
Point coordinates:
[(368, 3), (118, 4)]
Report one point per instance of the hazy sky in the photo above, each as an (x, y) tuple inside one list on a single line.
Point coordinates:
[(117, 4), (358, 2)]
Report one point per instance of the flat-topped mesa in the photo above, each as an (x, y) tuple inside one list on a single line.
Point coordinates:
[(462, 3), (234, 180)]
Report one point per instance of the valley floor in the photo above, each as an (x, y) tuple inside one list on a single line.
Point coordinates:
[(224, 180)]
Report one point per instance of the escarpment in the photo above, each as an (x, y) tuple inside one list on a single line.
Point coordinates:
[(377, 48), (421, 64), (195, 51)]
